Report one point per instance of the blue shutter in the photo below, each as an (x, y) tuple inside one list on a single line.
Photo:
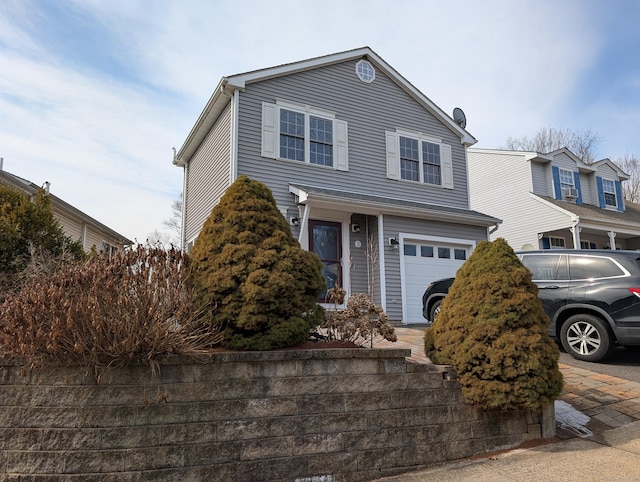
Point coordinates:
[(619, 197), (600, 192), (576, 182), (545, 243), (556, 183)]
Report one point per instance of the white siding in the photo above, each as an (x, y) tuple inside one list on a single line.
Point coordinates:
[(535, 218), (589, 190), (541, 178), (563, 161), (607, 172), (501, 184)]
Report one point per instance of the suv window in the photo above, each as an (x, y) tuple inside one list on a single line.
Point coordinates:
[(547, 266), (586, 267)]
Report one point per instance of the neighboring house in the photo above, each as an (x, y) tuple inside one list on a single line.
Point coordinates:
[(370, 173), (76, 224), (553, 200)]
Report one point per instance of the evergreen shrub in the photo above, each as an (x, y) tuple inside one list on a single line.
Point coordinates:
[(28, 229), (493, 330), (247, 266)]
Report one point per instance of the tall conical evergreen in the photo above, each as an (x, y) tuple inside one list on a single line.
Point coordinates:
[(493, 330), (253, 274)]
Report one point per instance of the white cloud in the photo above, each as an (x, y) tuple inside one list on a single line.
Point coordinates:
[(91, 138), (105, 141)]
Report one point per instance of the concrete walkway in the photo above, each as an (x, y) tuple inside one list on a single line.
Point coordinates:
[(597, 432)]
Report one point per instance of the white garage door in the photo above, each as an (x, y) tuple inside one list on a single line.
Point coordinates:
[(424, 262)]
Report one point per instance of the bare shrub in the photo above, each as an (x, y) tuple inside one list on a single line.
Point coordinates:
[(360, 322), (37, 264), (135, 307)]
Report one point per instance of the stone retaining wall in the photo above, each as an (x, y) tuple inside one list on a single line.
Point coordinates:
[(310, 415)]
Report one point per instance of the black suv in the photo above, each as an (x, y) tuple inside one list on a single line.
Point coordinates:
[(591, 296)]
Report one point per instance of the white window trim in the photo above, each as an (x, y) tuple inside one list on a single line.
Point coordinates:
[(551, 246), (373, 77), (615, 194), (393, 157), (566, 184), (271, 133), (588, 243)]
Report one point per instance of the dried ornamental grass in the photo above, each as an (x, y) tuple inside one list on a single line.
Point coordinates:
[(135, 307)]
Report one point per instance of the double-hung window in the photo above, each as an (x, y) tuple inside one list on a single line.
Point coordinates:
[(294, 135), (302, 133), (566, 179), (609, 189), (419, 158)]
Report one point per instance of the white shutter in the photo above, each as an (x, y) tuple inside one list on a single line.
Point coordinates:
[(393, 161), (269, 122), (447, 166), (342, 147)]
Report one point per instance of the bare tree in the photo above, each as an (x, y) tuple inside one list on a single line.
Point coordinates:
[(630, 164), (548, 139), (161, 239), (175, 222)]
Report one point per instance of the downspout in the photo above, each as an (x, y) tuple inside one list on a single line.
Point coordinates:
[(493, 230), (83, 236), (183, 214), (235, 103)]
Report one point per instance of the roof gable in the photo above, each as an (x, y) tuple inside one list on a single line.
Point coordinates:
[(607, 162), (579, 164), (223, 92)]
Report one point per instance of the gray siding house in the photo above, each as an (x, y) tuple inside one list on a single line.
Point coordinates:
[(370, 173), (554, 200)]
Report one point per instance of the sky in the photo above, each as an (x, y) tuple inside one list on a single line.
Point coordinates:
[(94, 94)]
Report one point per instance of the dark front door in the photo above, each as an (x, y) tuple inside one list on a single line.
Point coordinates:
[(326, 241)]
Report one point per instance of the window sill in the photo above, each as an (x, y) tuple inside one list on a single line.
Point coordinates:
[(303, 163), (418, 183)]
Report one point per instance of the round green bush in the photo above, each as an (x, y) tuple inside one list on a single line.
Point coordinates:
[(252, 273), (493, 330)]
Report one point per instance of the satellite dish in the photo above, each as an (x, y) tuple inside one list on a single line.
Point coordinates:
[(459, 117)]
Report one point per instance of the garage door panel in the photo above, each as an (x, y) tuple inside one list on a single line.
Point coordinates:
[(425, 262)]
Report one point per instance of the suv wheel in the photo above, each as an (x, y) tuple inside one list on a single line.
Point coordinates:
[(586, 337), (435, 309)]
